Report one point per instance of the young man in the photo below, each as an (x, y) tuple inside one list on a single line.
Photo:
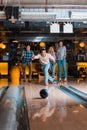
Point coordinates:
[(61, 54), (27, 61), (44, 59)]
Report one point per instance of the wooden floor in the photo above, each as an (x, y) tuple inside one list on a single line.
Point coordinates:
[(58, 111)]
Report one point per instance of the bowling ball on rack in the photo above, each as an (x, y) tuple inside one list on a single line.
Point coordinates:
[(44, 93)]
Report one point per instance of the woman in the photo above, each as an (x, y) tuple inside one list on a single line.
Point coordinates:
[(52, 64)]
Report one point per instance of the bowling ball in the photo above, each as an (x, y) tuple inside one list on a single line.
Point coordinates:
[(44, 93)]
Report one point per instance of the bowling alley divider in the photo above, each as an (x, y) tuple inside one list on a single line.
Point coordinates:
[(78, 92), (78, 96), (13, 109), (2, 91)]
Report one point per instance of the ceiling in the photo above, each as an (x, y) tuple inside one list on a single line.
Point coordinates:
[(43, 2), (32, 20)]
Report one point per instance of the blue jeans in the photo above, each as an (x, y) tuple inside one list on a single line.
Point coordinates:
[(45, 69), (62, 64), (52, 68)]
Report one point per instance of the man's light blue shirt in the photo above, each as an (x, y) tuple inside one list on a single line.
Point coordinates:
[(61, 53)]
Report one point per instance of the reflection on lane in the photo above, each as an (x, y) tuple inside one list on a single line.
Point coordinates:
[(58, 111), (46, 108)]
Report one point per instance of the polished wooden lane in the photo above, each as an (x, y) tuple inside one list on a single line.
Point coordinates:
[(58, 111)]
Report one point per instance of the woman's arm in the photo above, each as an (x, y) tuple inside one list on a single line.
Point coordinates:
[(51, 57)]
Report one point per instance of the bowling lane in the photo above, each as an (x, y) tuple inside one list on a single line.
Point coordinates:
[(58, 111)]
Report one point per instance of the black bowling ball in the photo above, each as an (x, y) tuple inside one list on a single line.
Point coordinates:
[(44, 93)]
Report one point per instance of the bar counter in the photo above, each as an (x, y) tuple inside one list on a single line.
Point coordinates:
[(3, 67)]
